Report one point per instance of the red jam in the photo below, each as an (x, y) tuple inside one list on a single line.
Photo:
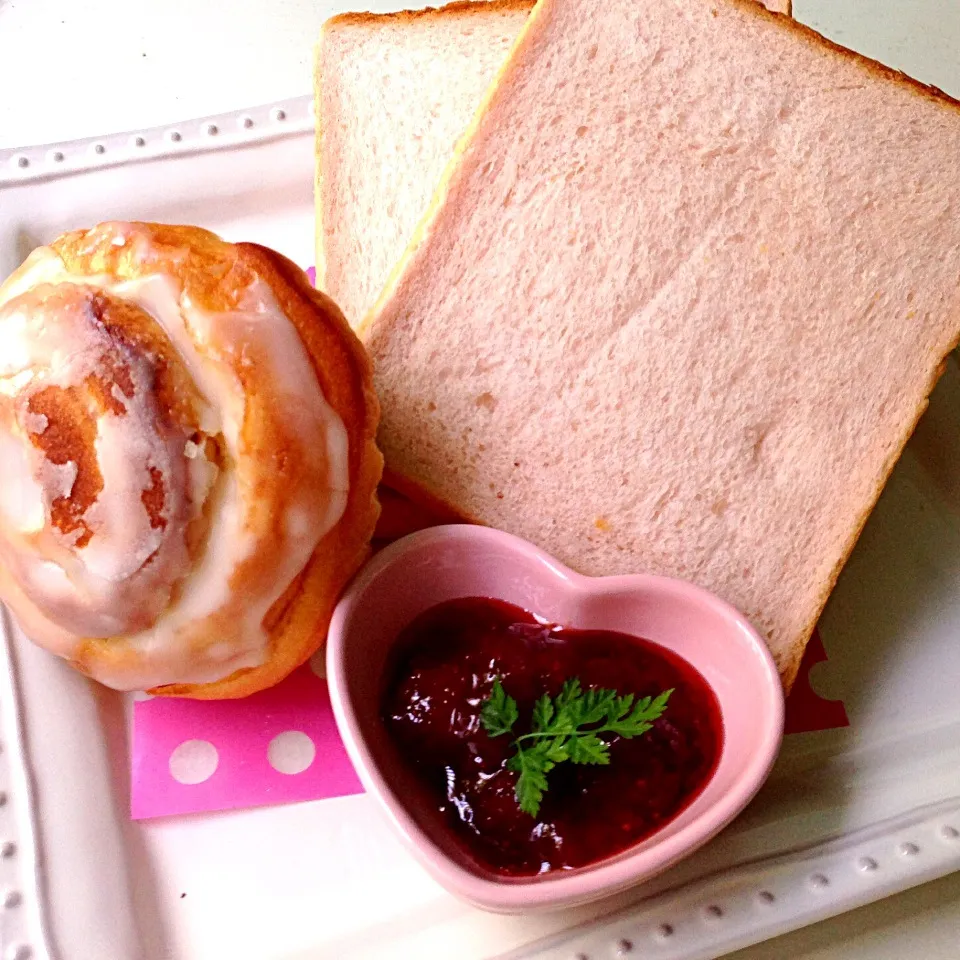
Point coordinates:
[(446, 663)]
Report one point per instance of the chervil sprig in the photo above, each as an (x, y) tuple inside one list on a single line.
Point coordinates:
[(568, 726)]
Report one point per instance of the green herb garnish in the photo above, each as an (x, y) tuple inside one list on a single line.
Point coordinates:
[(566, 727)]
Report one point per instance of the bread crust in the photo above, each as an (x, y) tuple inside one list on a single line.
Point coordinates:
[(810, 36), (467, 8)]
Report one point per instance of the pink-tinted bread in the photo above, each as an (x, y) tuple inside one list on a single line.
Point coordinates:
[(395, 92), (680, 300)]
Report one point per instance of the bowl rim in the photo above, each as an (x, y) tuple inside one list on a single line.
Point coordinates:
[(593, 881)]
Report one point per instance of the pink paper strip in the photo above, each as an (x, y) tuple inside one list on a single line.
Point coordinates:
[(241, 732), (806, 709)]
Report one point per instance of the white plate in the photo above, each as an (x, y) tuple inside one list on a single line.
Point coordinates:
[(847, 817)]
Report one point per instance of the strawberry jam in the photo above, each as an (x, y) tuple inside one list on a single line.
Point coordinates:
[(444, 668)]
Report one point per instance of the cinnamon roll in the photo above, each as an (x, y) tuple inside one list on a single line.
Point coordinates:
[(188, 466)]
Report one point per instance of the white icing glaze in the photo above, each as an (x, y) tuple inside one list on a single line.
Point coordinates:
[(21, 498), (123, 538), (97, 588), (174, 643)]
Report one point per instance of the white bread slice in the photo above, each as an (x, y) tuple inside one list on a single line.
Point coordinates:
[(693, 347), (395, 92)]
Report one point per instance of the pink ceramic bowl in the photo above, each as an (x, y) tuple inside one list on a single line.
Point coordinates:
[(445, 563)]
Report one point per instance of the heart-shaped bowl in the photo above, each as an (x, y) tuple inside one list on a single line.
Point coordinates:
[(452, 562)]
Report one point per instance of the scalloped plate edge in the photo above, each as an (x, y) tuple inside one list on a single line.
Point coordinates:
[(293, 117), (757, 901)]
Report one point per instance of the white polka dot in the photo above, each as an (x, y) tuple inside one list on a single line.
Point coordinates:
[(291, 752), (193, 761), (318, 663)]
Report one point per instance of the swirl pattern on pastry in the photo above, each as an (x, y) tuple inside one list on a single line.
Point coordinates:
[(189, 470)]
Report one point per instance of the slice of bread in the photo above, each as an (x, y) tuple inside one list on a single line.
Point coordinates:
[(395, 92), (694, 346)]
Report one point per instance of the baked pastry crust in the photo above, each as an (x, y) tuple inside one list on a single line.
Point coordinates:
[(233, 400)]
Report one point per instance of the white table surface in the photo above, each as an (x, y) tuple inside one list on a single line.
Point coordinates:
[(78, 68)]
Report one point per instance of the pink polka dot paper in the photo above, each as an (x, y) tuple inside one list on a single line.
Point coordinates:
[(278, 746)]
